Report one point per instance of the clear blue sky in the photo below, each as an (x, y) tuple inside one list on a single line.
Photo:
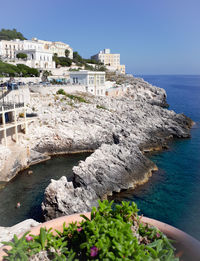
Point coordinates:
[(152, 36)]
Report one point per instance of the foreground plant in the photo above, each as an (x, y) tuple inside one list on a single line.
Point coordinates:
[(113, 233)]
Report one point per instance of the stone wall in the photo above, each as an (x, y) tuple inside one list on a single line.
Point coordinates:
[(53, 89), (22, 79), (17, 96)]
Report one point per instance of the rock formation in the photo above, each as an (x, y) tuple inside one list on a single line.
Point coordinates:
[(119, 131), (7, 233), (116, 130)]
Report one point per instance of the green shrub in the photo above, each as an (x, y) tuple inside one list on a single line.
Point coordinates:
[(6, 34), (21, 56), (71, 96), (64, 61), (27, 71), (19, 70), (113, 233), (101, 107), (8, 69), (61, 91)]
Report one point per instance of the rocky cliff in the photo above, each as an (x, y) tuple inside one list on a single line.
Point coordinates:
[(117, 130)]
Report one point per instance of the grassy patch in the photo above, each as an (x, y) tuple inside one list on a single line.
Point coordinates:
[(72, 97), (101, 107)]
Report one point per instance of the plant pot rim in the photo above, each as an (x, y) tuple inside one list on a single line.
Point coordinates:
[(186, 243)]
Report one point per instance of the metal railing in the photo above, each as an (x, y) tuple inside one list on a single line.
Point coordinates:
[(10, 106)]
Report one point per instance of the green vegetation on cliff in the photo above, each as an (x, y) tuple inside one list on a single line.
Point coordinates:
[(7, 34), (10, 70), (79, 61)]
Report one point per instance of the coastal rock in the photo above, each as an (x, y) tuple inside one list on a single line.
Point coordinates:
[(125, 128), (117, 131), (7, 233), (62, 198)]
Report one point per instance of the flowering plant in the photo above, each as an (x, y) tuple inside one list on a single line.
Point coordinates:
[(114, 232)]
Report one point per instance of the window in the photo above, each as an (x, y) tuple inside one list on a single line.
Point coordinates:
[(97, 80), (75, 80), (91, 80), (102, 80)]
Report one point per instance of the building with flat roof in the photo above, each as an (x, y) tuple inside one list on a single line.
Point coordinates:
[(94, 81), (55, 47), (111, 60), (39, 52), (39, 59), (8, 49)]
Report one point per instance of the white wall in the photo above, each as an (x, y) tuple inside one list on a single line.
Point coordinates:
[(16, 96), (22, 79), (53, 89)]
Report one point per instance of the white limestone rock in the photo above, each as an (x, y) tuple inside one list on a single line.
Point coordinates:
[(7, 233)]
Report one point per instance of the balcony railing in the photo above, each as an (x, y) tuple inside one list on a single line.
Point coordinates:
[(10, 106)]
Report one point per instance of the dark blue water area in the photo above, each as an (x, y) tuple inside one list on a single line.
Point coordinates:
[(172, 194), (28, 189)]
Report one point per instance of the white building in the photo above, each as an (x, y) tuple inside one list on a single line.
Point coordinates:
[(111, 60), (39, 52), (94, 81), (8, 49), (40, 59), (56, 47)]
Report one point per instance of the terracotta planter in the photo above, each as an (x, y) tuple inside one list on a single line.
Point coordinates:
[(188, 248)]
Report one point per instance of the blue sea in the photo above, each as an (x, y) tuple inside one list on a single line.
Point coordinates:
[(173, 193)]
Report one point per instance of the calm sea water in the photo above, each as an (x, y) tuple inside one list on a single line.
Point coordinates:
[(173, 194), (28, 189)]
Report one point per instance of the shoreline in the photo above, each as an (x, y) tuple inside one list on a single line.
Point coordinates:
[(119, 136)]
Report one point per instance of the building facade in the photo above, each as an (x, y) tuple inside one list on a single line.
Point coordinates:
[(39, 52), (8, 49), (39, 59), (94, 81), (110, 59), (55, 47)]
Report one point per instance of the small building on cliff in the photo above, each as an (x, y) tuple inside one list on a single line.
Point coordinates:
[(94, 81), (110, 60)]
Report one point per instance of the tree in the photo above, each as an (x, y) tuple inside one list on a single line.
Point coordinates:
[(77, 58), (7, 34), (19, 70), (21, 56), (27, 71), (45, 75), (55, 59), (67, 52), (64, 61)]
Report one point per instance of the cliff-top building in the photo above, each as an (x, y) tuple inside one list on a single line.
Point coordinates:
[(37, 56), (56, 47), (93, 81), (39, 52), (110, 60), (8, 49)]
